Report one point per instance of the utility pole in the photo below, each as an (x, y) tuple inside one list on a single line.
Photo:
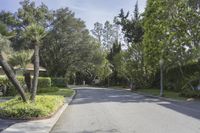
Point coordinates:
[(161, 62)]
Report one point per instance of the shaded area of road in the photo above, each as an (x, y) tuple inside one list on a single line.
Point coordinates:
[(96, 110), (4, 123)]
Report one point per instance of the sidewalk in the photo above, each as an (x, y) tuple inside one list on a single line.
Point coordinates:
[(38, 126)]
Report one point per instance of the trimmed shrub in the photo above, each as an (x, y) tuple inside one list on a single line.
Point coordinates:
[(10, 90), (58, 82), (44, 82)]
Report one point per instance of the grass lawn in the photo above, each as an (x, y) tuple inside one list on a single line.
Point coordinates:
[(61, 91), (167, 93), (119, 87), (1, 96)]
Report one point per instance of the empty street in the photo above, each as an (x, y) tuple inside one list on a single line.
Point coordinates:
[(98, 110)]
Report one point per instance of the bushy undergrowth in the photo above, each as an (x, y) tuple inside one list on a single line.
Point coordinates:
[(44, 106), (191, 93)]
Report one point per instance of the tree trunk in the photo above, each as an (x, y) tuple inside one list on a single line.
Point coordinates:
[(36, 72), (11, 76), (108, 81), (66, 84), (132, 86), (27, 79)]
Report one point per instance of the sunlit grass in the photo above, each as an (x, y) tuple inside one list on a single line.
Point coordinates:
[(167, 93), (61, 91)]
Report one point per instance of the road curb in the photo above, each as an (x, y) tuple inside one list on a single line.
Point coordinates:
[(39, 126)]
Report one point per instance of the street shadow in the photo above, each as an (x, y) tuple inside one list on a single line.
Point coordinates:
[(184, 108), (5, 123), (101, 95)]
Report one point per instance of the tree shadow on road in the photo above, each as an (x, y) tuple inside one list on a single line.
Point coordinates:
[(5, 123), (102, 95)]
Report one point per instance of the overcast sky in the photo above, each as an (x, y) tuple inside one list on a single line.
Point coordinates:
[(90, 11)]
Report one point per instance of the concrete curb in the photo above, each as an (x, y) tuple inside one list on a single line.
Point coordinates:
[(39, 126)]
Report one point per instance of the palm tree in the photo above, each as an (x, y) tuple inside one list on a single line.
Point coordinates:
[(22, 58), (35, 34), (4, 47)]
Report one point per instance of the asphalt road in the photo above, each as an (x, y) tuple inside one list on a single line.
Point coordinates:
[(97, 110)]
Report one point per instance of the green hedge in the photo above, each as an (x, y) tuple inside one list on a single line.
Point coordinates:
[(43, 82), (58, 82), (10, 90)]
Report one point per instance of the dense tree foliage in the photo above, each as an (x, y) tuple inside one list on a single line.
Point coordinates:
[(70, 47), (172, 34), (167, 30), (130, 62), (66, 46), (132, 29), (106, 34)]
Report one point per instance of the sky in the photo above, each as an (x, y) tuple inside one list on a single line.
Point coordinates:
[(90, 11)]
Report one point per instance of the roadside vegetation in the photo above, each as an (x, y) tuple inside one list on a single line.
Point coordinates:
[(133, 50), (31, 36), (48, 100), (44, 106), (65, 92), (35, 34), (164, 39)]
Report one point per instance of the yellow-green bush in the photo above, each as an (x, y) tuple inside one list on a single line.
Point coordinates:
[(44, 106)]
